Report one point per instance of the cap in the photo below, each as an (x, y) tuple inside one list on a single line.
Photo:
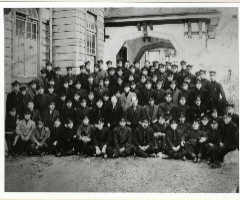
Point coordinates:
[(100, 61), (144, 68), (196, 120), (144, 118), (109, 62), (49, 64), (132, 66), (173, 121), (119, 60), (69, 100), (202, 71), (197, 74), (23, 88), (174, 66), (96, 65), (43, 71), (170, 73), (15, 83), (13, 109), (181, 114), (69, 68), (32, 82), (87, 62), (27, 112), (126, 85), (82, 67), (135, 62), (122, 118), (57, 68), (212, 72), (183, 62), (50, 86), (111, 68), (168, 63), (161, 65), (189, 66), (198, 81), (173, 82)]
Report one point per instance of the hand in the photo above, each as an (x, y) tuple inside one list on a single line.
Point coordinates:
[(55, 143), (98, 151), (104, 149), (211, 144), (108, 124), (178, 147), (174, 148), (221, 144), (155, 134), (39, 144), (122, 149), (128, 123), (182, 143)]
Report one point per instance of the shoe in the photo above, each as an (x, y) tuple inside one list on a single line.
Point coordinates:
[(58, 154), (153, 155), (195, 159), (42, 154), (214, 166), (199, 160), (184, 158)]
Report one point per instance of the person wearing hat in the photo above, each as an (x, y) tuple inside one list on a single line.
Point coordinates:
[(212, 142), (78, 88), (197, 110), (146, 64), (51, 96), (40, 100), (183, 125), (159, 130), (152, 111), (67, 141), (119, 62), (230, 110), (113, 112), (58, 80), (176, 76), (198, 90), (204, 124), (67, 89), (76, 101), (102, 140), (14, 98), (126, 71), (98, 111), (132, 70), (205, 82), (168, 80), (69, 77), (91, 101), (145, 71), (11, 121), (42, 80), (183, 72), (98, 91), (167, 106), (82, 110), (161, 74), (109, 64), (193, 141), (122, 139), (84, 137), (183, 108), (68, 111), (160, 92), (50, 73), (215, 92), (32, 91), (175, 92), (173, 148), (185, 91), (100, 73), (190, 74), (143, 140), (90, 85), (56, 132), (187, 79), (125, 99), (50, 115), (120, 73), (168, 67), (228, 140), (39, 139), (23, 132), (137, 68), (133, 88), (151, 71), (35, 115), (112, 78), (25, 97), (134, 113), (88, 66), (146, 93), (118, 89), (142, 83)]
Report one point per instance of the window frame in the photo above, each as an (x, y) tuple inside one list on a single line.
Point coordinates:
[(91, 35)]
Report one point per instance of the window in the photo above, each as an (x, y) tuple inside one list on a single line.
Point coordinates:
[(26, 40)]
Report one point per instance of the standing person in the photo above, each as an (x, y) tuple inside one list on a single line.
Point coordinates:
[(50, 115), (50, 73), (174, 148), (69, 78), (227, 141), (35, 115), (122, 139), (56, 132), (42, 81), (189, 73), (83, 77), (102, 71), (102, 140), (137, 67), (58, 80), (215, 90), (160, 92), (66, 89), (183, 72), (82, 92), (152, 111), (125, 98), (40, 100), (175, 92), (25, 98), (84, 137), (176, 75), (32, 91), (143, 140), (39, 139), (205, 82), (168, 80), (51, 96), (161, 74), (14, 99), (146, 93), (82, 111), (235, 116), (11, 121), (113, 113), (23, 130), (67, 140), (195, 140)]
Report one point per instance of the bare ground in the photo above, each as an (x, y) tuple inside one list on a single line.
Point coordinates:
[(76, 174)]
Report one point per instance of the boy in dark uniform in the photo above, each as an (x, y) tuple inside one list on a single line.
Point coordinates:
[(184, 91), (82, 111), (56, 132), (197, 110), (69, 77), (83, 77), (50, 73), (25, 97), (168, 106), (68, 112), (160, 92), (82, 92), (183, 72), (205, 82), (168, 80), (50, 115), (76, 102), (35, 115), (122, 140), (42, 81), (14, 98), (90, 86), (40, 100), (204, 124), (32, 91), (143, 140), (61, 103), (183, 108), (146, 93), (189, 73), (91, 101), (98, 111), (141, 85), (58, 80), (51, 96), (66, 89)]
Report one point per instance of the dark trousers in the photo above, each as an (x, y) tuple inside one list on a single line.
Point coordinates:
[(128, 150), (160, 143), (67, 148), (218, 153), (20, 145), (194, 148), (85, 148), (9, 139), (37, 151), (176, 154), (92, 150), (140, 153)]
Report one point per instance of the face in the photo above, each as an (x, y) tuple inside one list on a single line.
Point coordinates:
[(144, 72), (106, 82), (40, 125), (57, 123), (76, 97), (147, 64), (174, 70), (34, 86), (214, 125), (185, 87), (182, 119), (132, 70), (69, 72), (135, 102), (99, 104), (189, 69), (130, 78), (41, 90), (90, 79), (111, 72), (43, 75), (162, 69), (205, 121), (83, 70), (50, 90), (70, 125), (30, 105), (65, 85), (230, 110), (198, 85), (202, 75), (52, 106), (85, 121), (63, 98), (198, 102), (174, 125), (183, 66), (100, 126), (195, 125), (173, 86), (69, 104), (84, 104), (57, 72), (16, 88), (133, 86), (170, 78), (182, 101), (126, 89), (13, 113), (137, 65), (100, 83), (214, 114), (91, 96), (78, 86), (96, 69), (105, 98), (114, 99), (52, 82), (159, 85), (151, 103), (143, 79), (27, 116), (49, 67), (122, 123), (126, 65), (154, 78), (120, 73), (120, 64), (24, 92), (226, 119), (168, 98), (161, 120), (145, 124), (119, 81), (148, 86)]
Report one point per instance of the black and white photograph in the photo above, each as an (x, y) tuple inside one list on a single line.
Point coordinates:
[(121, 99)]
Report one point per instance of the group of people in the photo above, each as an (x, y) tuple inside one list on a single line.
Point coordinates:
[(121, 111)]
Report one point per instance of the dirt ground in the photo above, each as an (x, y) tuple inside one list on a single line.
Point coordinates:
[(77, 174)]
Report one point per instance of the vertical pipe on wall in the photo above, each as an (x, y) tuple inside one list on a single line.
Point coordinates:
[(50, 34)]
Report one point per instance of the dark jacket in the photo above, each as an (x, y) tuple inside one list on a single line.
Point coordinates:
[(102, 137), (113, 115), (202, 93), (55, 133), (160, 96), (229, 134), (10, 123), (40, 102), (215, 89), (49, 119), (50, 98), (197, 112), (81, 112), (173, 137), (122, 137), (143, 137), (144, 96), (152, 112), (135, 116), (13, 100), (83, 78)]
